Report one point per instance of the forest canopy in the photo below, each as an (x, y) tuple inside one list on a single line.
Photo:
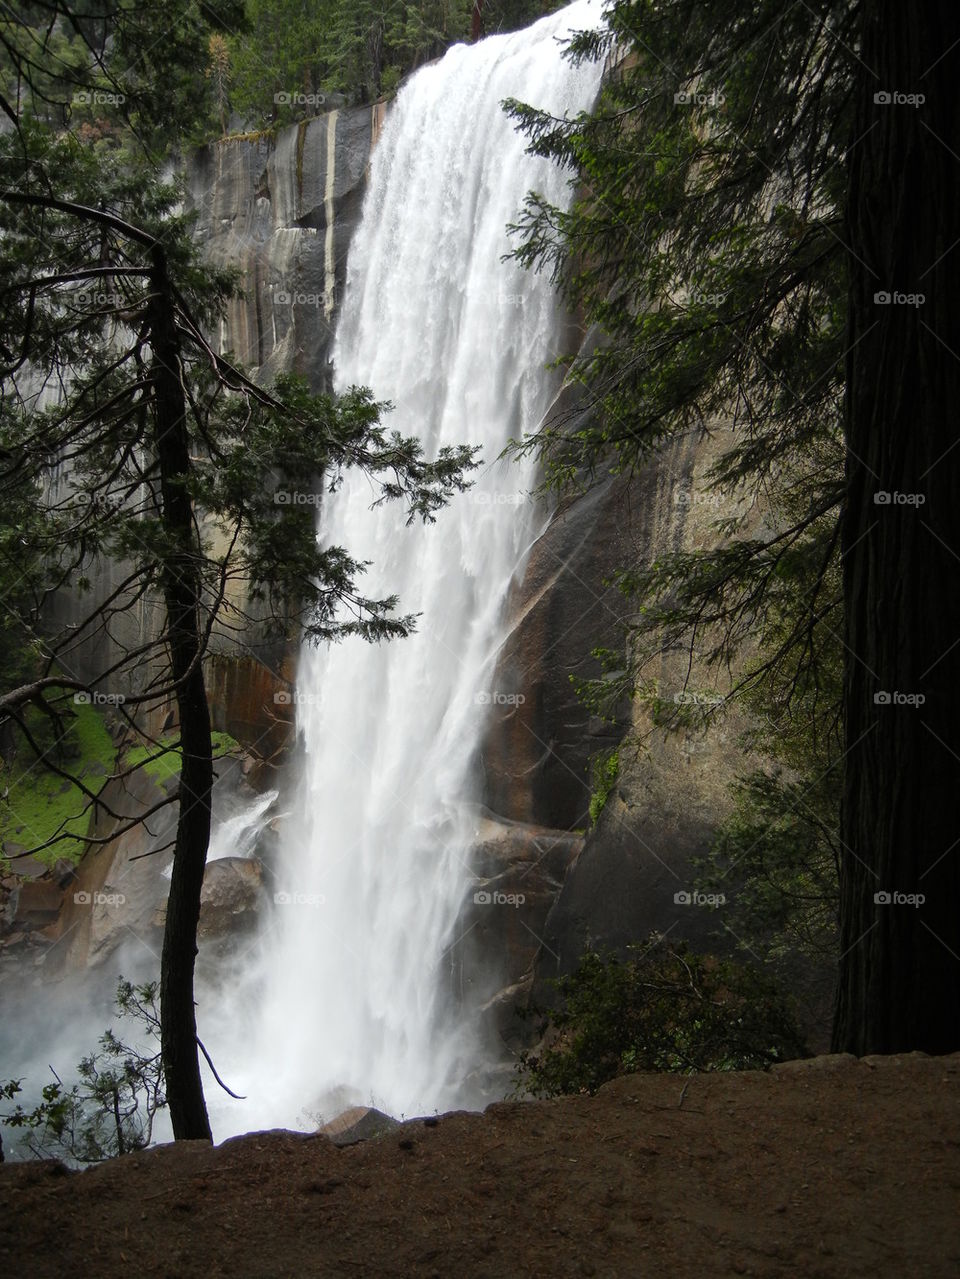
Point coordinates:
[(199, 71)]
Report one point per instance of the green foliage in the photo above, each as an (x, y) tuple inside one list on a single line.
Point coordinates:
[(21, 575), (606, 767), (301, 58), (114, 71), (780, 848), (170, 73), (661, 1008), (111, 1107), (286, 447), (706, 245)]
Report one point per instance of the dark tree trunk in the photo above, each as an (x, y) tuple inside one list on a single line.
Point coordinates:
[(476, 21), (182, 587), (900, 964)]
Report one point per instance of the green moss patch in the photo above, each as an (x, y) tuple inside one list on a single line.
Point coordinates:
[(38, 804), (163, 762)]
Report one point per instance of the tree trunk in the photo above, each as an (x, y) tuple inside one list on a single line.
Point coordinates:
[(182, 587), (900, 964)]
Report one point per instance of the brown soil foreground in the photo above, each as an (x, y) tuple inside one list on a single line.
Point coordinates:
[(828, 1168)]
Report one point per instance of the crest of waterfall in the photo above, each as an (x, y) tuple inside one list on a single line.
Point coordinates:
[(354, 1002)]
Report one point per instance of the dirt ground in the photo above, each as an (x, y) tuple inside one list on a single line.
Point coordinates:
[(829, 1168)]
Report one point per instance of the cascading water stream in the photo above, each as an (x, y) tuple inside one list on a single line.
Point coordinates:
[(355, 1006)]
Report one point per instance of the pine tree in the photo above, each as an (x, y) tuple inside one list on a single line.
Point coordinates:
[(742, 196)]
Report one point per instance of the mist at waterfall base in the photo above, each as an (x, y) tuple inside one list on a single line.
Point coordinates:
[(353, 997)]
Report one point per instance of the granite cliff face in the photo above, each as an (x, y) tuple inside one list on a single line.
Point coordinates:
[(281, 210), (610, 883), (634, 872)]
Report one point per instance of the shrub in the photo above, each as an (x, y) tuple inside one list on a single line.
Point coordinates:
[(111, 1108), (606, 768), (661, 1008)]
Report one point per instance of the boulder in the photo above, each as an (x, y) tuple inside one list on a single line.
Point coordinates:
[(232, 897), (520, 868), (359, 1123)]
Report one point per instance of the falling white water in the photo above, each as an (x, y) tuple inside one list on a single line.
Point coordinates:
[(356, 1007), (239, 835)]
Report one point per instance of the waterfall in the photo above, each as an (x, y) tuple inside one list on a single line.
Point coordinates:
[(356, 1007)]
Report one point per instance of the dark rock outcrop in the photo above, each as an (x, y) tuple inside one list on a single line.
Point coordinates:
[(250, 700), (536, 755), (626, 875)]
